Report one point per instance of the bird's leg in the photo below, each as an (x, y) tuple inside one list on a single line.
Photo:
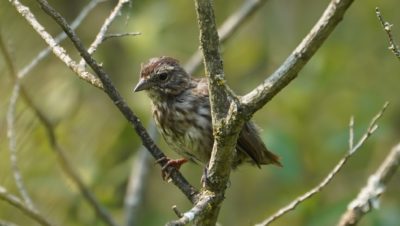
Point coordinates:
[(177, 163)]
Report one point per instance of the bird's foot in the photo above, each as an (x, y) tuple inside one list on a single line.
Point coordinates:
[(177, 163)]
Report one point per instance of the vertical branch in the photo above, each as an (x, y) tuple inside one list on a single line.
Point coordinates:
[(222, 100), (209, 43)]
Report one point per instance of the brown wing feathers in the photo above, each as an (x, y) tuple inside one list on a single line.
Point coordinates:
[(250, 142)]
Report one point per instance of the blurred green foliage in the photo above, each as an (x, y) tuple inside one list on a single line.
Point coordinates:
[(306, 124)]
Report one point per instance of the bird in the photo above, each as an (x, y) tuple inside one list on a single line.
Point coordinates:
[(182, 113)]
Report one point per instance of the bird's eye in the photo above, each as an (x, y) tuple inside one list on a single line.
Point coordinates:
[(163, 76)]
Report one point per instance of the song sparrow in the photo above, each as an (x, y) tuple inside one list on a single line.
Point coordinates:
[(181, 109)]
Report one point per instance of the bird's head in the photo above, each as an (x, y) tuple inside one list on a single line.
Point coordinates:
[(162, 76)]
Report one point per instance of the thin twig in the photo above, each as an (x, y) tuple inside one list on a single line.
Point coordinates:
[(100, 36), (55, 48), (368, 198), (114, 95), (227, 30), (119, 35), (11, 134), (42, 54), (16, 202), (138, 181), (388, 29), (291, 206), (65, 163), (176, 211)]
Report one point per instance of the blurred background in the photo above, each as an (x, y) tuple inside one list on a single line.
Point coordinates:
[(353, 74)]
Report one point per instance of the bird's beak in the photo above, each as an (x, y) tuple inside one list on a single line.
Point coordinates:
[(142, 85)]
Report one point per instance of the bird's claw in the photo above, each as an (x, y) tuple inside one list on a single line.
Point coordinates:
[(177, 163)]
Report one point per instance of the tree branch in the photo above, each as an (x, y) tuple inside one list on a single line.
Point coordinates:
[(368, 198), (228, 28), (388, 29), (16, 202), (177, 178), (291, 206), (222, 100), (290, 68)]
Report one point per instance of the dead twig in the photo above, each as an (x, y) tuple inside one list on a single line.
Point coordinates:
[(388, 29)]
